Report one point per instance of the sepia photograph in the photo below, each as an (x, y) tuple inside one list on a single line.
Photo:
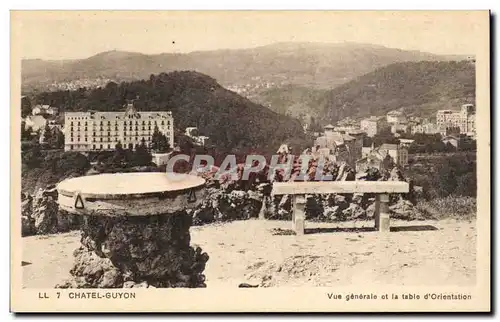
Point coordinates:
[(250, 152)]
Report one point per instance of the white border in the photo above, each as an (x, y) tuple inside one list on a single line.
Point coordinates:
[(207, 5)]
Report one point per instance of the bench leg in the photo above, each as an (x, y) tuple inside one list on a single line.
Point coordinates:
[(299, 214), (376, 215), (263, 209), (382, 217)]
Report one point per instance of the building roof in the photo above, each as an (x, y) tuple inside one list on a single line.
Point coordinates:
[(347, 137), (406, 141), (387, 146), (371, 119), (329, 126), (356, 132)]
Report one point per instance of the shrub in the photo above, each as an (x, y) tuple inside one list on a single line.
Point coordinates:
[(462, 208)]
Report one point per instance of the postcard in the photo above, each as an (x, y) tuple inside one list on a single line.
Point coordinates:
[(250, 161)]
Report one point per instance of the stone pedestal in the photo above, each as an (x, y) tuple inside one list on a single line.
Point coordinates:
[(148, 249), (140, 251)]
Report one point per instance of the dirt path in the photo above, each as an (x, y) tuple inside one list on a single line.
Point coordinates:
[(415, 253)]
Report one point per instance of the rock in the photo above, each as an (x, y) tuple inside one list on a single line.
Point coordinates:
[(314, 206), (341, 202), (285, 202), (128, 284), (357, 198), (396, 175), (354, 211), (45, 210), (405, 210), (92, 271), (66, 221), (137, 252), (370, 211), (27, 226), (339, 199), (333, 213), (27, 220), (254, 195)]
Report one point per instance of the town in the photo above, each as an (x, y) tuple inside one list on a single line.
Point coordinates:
[(376, 141)]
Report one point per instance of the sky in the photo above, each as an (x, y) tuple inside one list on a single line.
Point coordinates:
[(79, 34)]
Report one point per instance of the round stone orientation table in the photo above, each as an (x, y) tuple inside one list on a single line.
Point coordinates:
[(135, 230)]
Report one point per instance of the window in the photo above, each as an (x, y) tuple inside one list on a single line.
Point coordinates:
[(71, 147), (85, 128), (93, 146), (109, 146), (101, 139), (101, 146)]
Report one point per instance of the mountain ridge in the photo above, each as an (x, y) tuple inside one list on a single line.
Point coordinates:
[(298, 63)]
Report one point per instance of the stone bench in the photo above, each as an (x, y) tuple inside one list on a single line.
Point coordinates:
[(381, 189)]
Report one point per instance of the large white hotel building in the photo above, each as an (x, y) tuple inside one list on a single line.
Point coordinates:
[(465, 119), (95, 131)]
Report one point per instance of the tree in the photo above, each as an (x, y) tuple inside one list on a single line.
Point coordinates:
[(32, 158), (25, 107), (467, 185), (25, 133), (56, 139), (159, 142), (315, 126), (47, 134), (142, 157), (119, 155)]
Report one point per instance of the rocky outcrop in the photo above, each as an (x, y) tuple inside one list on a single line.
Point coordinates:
[(40, 214), (231, 198), (226, 201), (27, 221), (45, 210)]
